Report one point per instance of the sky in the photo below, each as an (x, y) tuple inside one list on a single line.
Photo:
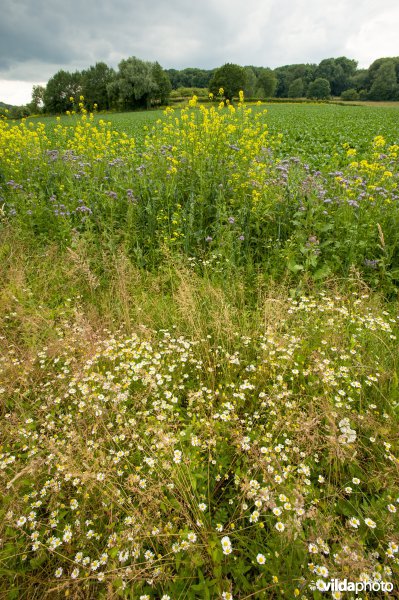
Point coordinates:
[(40, 37)]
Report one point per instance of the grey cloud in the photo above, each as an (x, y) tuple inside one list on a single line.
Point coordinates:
[(38, 37)]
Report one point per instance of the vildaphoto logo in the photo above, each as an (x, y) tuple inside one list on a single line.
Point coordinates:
[(343, 585)]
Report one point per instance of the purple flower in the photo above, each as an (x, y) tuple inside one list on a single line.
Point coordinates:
[(117, 162), (84, 209), (231, 220), (371, 263), (131, 196), (208, 238), (241, 238), (14, 185), (312, 239)]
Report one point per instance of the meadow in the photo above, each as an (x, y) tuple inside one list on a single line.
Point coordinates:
[(198, 353)]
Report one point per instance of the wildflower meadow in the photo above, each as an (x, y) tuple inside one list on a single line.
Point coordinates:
[(199, 353)]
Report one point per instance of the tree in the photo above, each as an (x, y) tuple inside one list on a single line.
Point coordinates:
[(134, 84), (138, 83), (319, 89), (333, 73), (231, 78), (359, 80), (375, 66), (286, 76), (59, 89), (19, 112), (94, 85), (189, 78), (349, 65), (251, 82), (267, 82), (164, 87), (283, 81), (338, 72), (37, 102), (350, 94), (385, 86), (296, 88)]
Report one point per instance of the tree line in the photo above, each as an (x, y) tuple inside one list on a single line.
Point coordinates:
[(332, 77), (142, 84)]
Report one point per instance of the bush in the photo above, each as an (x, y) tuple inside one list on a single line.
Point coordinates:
[(319, 89), (187, 92), (350, 94)]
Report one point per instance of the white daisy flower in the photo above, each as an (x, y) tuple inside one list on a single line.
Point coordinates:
[(260, 559)]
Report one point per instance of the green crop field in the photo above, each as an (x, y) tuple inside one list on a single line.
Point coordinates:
[(198, 353), (302, 125)]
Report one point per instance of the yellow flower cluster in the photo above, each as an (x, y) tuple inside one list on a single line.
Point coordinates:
[(203, 139), (19, 141)]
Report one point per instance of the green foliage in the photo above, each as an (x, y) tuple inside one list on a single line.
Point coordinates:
[(350, 94), (319, 89), (183, 92), (18, 112), (134, 83), (296, 88), (231, 78), (37, 103), (179, 207), (251, 82), (188, 78), (144, 84), (267, 82), (338, 72), (94, 85), (385, 85), (289, 73), (138, 84), (359, 80), (228, 461), (59, 89), (162, 81), (199, 374)]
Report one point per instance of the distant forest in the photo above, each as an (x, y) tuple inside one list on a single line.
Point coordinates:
[(142, 84)]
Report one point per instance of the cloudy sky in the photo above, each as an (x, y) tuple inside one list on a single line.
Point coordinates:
[(39, 37)]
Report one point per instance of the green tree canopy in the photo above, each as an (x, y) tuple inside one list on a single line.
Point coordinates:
[(138, 83), (59, 89), (231, 78), (267, 82), (94, 85), (359, 80), (338, 72), (375, 66), (319, 89), (296, 88), (164, 87), (37, 103), (287, 74), (348, 65), (189, 78), (350, 94), (385, 85), (251, 82)]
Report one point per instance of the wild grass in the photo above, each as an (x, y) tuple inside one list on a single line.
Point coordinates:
[(187, 414)]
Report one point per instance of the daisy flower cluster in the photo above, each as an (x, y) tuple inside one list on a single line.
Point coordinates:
[(137, 465)]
